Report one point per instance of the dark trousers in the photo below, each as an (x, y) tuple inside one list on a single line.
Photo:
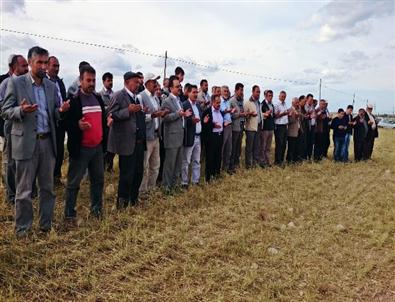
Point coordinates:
[(251, 141), (319, 145), (237, 138), (109, 161), (91, 159), (302, 147), (369, 145), (292, 152), (280, 136), (310, 141), (131, 171), (213, 155), (60, 134), (327, 143), (359, 145)]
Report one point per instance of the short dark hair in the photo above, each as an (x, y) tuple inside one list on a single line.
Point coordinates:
[(107, 75), (282, 91), (193, 87), (14, 60), (203, 81), (52, 57), (238, 86), (340, 110), (269, 91), (302, 97), (213, 97), (83, 63), (86, 69), (171, 80), (37, 50), (140, 74), (254, 87), (309, 95), (179, 70), (350, 107)]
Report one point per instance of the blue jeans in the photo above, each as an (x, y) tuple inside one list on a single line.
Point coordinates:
[(339, 147), (344, 151)]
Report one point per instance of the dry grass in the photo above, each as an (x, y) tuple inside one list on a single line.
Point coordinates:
[(229, 241)]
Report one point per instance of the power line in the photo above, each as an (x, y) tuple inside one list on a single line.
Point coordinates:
[(136, 51)]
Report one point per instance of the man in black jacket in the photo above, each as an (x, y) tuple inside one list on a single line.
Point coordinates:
[(52, 74), (192, 142), (213, 125), (372, 134), (85, 125), (268, 127)]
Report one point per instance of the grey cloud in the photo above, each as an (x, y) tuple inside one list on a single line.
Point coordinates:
[(17, 43), (13, 6), (115, 63), (341, 18)]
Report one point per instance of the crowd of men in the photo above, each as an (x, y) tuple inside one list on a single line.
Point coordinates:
[(158, 132)]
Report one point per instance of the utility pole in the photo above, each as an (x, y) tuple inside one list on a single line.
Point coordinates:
[(353, 100), (319, 98), (164, 72)]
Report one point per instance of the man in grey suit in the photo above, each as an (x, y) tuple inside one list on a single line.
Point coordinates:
[(127, 138), (173, 134), (30, 104)]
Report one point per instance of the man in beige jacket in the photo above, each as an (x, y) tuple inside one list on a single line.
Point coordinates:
[(251, 124)]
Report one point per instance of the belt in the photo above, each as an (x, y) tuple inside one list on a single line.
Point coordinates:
[(217, 133), (43, 135), (197, 134)]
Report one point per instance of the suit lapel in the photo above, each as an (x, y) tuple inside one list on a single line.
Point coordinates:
[(29, 89)]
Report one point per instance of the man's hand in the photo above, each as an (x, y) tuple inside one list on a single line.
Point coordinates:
[(134, 107), (27, 108), (110, 120), (195, 120), (217, 125), (65, 106), (84, 125), (188, 113), (206, 118)]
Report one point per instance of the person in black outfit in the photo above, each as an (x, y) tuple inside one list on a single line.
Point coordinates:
[(372, 132), (52, 74), (360, 132), (212, 135)]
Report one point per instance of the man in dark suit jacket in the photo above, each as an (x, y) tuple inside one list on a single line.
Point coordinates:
[(127, 138), (213, 125), (373, 132), (173, 135), (85, 124), (52, 74), (192, 142), (31, 104)]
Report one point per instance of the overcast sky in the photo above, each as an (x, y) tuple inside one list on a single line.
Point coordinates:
[(349, 44)]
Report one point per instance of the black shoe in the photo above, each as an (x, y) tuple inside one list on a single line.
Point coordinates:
[(185, 187), (122, 203)]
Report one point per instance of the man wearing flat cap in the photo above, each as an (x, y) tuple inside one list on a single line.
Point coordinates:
[(127, 138), (153, 121)]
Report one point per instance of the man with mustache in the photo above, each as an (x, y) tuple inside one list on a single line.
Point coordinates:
[(30, 103), (85, 125)]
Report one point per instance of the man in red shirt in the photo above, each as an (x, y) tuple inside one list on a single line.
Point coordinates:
[(84, 123)]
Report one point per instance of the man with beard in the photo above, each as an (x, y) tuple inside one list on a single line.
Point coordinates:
[(30, 104), (85, 125)]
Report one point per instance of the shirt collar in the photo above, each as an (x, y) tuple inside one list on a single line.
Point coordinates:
[(214, 110), (130, 93), (148, 92), (176, 97)]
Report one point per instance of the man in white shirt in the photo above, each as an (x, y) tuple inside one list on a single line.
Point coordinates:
[(153, 119), (280, 131), (192, 139)]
